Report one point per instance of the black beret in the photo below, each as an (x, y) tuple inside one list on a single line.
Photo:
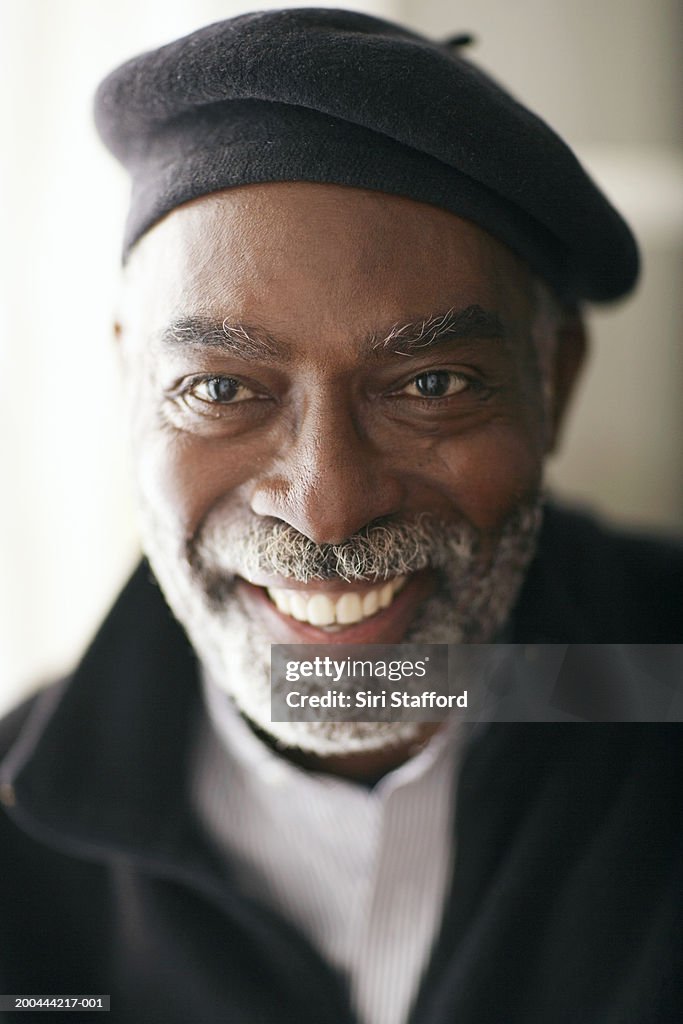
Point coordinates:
[(335, 96)]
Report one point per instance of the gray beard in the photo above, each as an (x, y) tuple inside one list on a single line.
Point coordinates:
[(474, 599)]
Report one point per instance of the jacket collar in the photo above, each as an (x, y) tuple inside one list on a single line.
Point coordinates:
[(102, 761)]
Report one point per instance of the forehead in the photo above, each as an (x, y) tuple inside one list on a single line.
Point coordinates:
[(321, 256)]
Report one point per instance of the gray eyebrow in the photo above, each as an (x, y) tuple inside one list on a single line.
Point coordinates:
[(241, 340), (405, 339)]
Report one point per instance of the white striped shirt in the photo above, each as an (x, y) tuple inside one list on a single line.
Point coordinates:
[(363, 873)]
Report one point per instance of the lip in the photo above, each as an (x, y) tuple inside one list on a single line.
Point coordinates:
[(333, 586), (385, 627)]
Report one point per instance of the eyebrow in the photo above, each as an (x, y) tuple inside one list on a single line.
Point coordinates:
[(245, 342), (403, 338), (406, 339)]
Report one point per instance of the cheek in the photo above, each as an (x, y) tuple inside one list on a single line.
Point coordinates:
[(182, 480), (488, 475), (179, 476)]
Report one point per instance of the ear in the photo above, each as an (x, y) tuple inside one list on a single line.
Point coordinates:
[(570, 355)]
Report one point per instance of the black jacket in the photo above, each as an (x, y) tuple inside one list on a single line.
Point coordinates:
[(566, 904)]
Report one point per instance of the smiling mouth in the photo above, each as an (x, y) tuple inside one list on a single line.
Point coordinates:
[(343, 608)]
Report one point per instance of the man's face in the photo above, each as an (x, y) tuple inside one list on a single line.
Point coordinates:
[(337, 421)]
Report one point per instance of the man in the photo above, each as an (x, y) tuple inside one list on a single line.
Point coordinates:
[(349, 329)]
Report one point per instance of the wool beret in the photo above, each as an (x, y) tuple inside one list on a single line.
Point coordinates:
[(340, 97)]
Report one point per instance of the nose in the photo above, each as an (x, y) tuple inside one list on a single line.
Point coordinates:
[(330, 480)]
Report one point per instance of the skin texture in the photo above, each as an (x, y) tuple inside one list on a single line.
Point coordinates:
[(329, 432)]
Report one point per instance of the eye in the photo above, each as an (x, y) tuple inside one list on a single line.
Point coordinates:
[(219, 391), (211, 402), (436, 384)]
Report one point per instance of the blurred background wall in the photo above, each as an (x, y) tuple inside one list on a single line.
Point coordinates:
[(607, 75)]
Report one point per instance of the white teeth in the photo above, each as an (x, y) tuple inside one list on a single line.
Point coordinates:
[(323, 609), (298, 606), (282, 600), (349, 609)]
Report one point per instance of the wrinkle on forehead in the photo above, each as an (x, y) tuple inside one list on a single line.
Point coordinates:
[(342, 250)]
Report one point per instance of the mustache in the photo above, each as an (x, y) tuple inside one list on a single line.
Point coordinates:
[(379, 551)]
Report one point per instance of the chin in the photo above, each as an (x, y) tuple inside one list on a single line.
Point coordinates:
[(236, 658), (335, 739)]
